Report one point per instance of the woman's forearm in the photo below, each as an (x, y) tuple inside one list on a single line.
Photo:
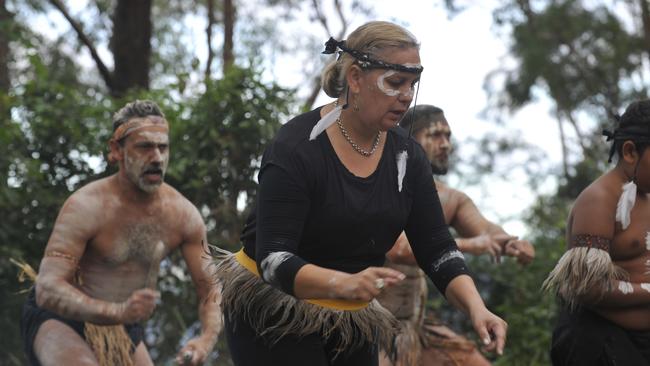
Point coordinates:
[(462, 293)]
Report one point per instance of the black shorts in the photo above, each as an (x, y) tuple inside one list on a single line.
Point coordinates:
[(583, 337), (33, 316)]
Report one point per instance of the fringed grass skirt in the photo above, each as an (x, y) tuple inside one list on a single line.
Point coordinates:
[(274, 314)]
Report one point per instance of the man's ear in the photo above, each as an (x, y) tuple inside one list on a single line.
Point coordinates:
[(115, 151), (630, 155), (353, 77)]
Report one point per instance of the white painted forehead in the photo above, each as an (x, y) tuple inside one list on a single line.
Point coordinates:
[(156, 136)]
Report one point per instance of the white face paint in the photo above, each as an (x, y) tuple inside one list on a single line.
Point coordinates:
[(139, 165), (393, 91), (625, 287), (647, 240), (271, 263), (646, 286)]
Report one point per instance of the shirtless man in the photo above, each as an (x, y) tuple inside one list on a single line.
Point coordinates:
[(477, 236), (604, 277), (97, 278)]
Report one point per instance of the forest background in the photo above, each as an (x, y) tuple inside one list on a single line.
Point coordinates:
[(61, 80)]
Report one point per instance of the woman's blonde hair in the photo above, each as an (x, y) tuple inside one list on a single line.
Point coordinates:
[(370, 39)]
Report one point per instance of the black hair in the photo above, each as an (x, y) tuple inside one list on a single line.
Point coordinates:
[(137, 108), (633, 125), (425, 115)]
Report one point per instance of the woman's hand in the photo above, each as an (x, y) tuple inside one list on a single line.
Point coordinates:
[(364, 285), (490, 328)]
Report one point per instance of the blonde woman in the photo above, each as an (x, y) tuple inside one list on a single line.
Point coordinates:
[(337, 187)]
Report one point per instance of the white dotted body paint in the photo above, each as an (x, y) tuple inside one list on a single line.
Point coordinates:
[(647, 240), (271, 263), (646, 286), (625, 287)]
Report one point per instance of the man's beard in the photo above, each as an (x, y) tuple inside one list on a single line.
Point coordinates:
[(439, 169), (135, 171)]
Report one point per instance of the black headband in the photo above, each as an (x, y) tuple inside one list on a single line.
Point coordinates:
[(365, 61), (634, 133)]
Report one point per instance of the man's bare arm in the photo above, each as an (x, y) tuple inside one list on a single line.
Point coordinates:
[(586, 274), (195, 252), (478, 235), (55, 290)]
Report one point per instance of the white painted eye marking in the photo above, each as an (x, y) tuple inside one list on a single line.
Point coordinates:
[(625, 287), (647, 240), (382, 87), (646, 286)]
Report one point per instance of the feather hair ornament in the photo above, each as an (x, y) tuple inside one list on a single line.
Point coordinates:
[(325, 122), (402, 156), (625, 204)]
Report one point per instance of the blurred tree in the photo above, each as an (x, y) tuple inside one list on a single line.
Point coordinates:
[(59, 122), (590, 59)]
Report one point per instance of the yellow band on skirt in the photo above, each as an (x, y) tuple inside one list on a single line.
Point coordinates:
[(248, 263)]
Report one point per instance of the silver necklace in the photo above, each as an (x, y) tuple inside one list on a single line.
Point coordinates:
[(356, 147)]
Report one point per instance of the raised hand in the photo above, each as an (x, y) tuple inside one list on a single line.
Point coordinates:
[(523, 250)]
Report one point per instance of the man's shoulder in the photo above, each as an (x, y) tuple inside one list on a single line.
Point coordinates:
[(94, 191), (604, 190), (600, 197), (176, 200)]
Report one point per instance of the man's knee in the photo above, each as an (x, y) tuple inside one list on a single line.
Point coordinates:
[(56, 343)]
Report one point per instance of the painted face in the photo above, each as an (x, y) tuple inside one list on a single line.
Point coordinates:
[(386, 94), (145, 157), (436, 142)]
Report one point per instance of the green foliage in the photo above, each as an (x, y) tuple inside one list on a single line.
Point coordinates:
[(217, 148), (55, 141)]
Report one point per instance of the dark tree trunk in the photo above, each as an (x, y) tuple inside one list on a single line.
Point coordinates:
[(131, 45), (645, 17), (6, 30), (228, 31), (208, 33), (5, 33)]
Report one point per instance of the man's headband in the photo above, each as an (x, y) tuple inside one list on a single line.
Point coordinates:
[(636, 133), (134, 124), (365, 61)]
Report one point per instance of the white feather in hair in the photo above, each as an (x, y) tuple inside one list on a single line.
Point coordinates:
[(325, 122), (625, 204)]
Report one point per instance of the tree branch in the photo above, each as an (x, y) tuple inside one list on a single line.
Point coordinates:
[(103, 70), (309, 102), (228, 31), (208, 32), (645, 17)]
